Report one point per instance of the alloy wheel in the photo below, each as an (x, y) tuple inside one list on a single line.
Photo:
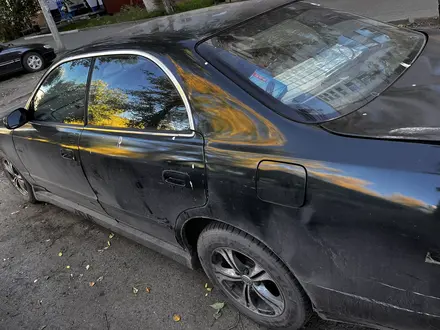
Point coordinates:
[(247, 282), (34, 62), (15, 177)]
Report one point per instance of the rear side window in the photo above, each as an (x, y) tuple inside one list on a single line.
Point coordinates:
[(133, 92), (61, 97), (313, 64)]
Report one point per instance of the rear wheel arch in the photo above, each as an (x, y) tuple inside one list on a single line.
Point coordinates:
[(191, 229), (29, 51)]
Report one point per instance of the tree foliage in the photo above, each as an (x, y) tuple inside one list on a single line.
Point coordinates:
[(15, 16)]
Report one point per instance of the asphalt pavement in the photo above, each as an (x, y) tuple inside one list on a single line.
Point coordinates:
[(385, 10)]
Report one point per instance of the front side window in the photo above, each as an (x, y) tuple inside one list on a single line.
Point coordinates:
[(133, 92), (313, 64), (61, 97)]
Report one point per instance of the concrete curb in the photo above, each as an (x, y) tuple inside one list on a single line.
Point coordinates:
[(411, 20), (49, 34)]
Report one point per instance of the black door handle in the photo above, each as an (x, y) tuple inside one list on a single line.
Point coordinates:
[(176, 178), (67, 153)]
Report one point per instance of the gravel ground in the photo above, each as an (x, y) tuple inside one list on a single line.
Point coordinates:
[(41, 290)]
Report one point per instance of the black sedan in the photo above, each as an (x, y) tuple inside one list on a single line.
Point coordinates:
[(31, 58), (291, 150)]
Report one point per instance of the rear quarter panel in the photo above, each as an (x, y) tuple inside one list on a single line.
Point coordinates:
[(358, 244)]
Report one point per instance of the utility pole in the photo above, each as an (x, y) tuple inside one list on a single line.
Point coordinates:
[(169, 7), (150, 5), (52, 26)]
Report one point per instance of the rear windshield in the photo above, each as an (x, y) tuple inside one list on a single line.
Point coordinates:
[(313, 64)]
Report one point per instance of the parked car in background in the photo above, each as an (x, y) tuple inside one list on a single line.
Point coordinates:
[(290, 149), (31, 58)]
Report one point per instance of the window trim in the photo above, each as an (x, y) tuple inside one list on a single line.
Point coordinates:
[(148, 56)]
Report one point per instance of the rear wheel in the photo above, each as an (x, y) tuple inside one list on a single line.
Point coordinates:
[(252, 277), (33, 62), (17, 180)]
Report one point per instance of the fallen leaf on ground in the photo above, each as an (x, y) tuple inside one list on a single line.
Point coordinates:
[(147, 290), (218, 305), (87, 267), (176, 318), (135, 290), (100, 278), (60, 254), (111, 235), (91, 283), (68, 267)]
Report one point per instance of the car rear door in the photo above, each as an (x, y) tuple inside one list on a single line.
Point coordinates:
[(48, 144), (139, 150)]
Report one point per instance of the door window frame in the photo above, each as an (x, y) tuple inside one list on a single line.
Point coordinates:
[(29, 103), (128, 52)]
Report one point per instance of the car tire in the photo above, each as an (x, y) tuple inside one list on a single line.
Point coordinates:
[(266, 292), (18, 181), (33, 62)]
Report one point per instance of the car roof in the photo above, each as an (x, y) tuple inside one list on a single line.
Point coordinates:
[(188, 26)]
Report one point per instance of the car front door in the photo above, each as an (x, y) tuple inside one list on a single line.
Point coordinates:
[(48, 144), (139, 150), (10, 59)]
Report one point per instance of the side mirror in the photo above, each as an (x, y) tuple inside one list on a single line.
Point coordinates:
[(16, 118)]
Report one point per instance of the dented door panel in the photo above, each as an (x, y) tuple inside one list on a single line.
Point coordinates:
[(128, 172)]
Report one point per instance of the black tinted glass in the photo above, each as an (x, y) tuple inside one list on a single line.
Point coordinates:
[(133, 92), (314, 64), (61, 97)]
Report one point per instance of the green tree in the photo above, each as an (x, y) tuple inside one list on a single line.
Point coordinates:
[(15, 15), (107, 105), (154, 104)]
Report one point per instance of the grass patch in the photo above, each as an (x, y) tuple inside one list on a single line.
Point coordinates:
[(127, 14), (133, 13), (192, 4)]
